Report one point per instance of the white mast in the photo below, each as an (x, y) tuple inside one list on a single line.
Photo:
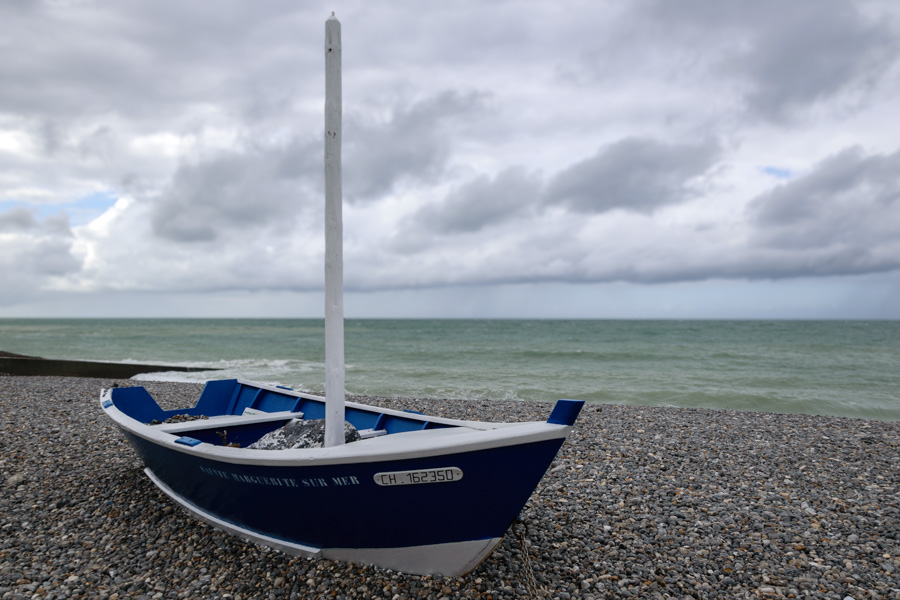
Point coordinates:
[(334, 254)]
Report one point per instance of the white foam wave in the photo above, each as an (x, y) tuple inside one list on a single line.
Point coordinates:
[(285, 372)]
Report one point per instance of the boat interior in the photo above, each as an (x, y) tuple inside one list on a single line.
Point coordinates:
[(249, 411)]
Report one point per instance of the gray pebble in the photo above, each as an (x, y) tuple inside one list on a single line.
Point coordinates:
[(641, 502)]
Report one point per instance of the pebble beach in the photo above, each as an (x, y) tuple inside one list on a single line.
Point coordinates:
[(641, 502)]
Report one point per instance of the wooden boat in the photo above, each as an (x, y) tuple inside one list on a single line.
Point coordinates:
[(416, 493)]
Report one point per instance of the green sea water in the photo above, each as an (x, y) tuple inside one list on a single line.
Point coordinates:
[(843, 368)]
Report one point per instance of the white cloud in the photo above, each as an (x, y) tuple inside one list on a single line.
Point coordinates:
[(34, 253), (160, 144), (14, 142)]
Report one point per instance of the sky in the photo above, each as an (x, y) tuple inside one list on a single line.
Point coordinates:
[(529, 159)]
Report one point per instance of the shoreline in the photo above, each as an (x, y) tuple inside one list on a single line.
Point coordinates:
[(641, 502)]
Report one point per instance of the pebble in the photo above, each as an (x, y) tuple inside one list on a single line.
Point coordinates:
[(642, 502)]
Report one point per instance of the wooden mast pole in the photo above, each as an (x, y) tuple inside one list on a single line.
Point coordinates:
[(334, 254)]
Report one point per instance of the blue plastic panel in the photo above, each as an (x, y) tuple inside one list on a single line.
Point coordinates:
[(188, 441), (138, 404)]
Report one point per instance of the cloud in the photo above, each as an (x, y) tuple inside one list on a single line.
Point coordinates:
[(259, 183), (123, 254), (841, 218), (777, 61), (805, 52), (142, 59), (482, 202), (413, 145), (17, 218), (639, 175), (238, 191), (34, 253)]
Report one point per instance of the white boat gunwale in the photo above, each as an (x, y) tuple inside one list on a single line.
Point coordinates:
[(219, 421), (396, 446)]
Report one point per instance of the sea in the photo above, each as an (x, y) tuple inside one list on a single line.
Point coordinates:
[(839, 368)]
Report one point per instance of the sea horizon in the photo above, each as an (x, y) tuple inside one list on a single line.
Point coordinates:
[(346, 318)]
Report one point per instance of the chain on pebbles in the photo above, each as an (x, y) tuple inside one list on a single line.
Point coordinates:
[(642, 502)]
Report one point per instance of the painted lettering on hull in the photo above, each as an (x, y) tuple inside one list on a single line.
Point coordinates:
[(313, 482), (345, 480)]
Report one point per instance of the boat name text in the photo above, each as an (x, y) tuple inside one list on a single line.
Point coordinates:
[(313, 482)]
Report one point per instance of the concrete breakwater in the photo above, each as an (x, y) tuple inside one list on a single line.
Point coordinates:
[(18, 364)]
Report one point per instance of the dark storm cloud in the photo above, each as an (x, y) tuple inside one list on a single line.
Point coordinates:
[(841, 218), (483, 202), (245, 190), (778, 59), (143, 59), (639, 175), (804, 52), (262, 184), (414, 144), (18, 218), (838, 219)]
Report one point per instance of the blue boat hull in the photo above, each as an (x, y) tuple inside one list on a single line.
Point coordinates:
[(418, 493), (341, 506)]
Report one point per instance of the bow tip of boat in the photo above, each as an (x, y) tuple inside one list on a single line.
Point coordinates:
[(565, 412)]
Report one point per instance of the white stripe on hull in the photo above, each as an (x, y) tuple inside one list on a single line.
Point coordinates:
[(450, 560)]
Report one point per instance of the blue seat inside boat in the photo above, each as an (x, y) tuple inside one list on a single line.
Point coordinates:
[(215, 398), (137, 403)]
